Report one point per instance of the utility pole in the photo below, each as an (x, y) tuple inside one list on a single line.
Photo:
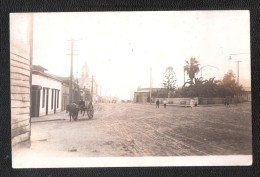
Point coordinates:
[(100, 93), (184, 75), (71, 71), (238, 79), (238, 61), (92, 89), (150, 85)]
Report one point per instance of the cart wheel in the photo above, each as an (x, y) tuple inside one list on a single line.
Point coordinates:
[(90, 112)]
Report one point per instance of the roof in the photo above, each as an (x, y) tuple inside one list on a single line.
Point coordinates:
[(46, 75), (142, 91), (38, 68)]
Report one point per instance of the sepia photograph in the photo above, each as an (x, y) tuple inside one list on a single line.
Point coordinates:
[(130, 89)]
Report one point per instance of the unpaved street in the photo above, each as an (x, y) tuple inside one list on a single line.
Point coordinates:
[(142, 130)]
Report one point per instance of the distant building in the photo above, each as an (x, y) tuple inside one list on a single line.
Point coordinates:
[(142, 95), (108, 99), (85, 83)]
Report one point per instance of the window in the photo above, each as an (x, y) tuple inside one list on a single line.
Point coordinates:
[(57, 98), (43, 97), (52, 98)]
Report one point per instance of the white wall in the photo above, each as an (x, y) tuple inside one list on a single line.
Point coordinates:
[(51, 84)]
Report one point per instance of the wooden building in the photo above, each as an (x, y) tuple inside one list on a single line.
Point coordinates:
[(20, 77)]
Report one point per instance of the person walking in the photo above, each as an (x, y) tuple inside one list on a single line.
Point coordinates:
[(164, 103), (157, 104), (191, 103)]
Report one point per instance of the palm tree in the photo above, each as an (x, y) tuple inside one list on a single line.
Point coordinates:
[(192, 68)]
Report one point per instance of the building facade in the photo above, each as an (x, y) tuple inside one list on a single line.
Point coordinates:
[(46, 93), (141, 96)]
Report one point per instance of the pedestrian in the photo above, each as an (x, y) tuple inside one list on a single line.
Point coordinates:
[(227, 101), (157, 104), (191, 103), (164, 103), (81, 105)]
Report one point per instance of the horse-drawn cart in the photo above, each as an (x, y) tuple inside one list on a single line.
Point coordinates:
[(75, 108)]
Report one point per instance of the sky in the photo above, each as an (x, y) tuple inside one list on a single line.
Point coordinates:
[(121, 47)]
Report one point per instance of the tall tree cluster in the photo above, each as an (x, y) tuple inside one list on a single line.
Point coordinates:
[(197, 87), (192, 68)]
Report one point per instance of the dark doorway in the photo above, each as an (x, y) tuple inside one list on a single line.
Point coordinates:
[(55, 91), (47, 100), (35, 96)]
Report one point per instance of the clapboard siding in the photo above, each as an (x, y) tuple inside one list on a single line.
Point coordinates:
[(20, 70), (19, 59), (22, 129), (19, 104), (20, 138), (20, 65), (22, 123), (20, 96), (20, 110), (19, 83), (18, 89), (18, 76), (16, 118)]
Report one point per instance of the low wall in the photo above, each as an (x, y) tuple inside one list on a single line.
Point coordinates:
[(181, 101), (200, 101), (211, 100)]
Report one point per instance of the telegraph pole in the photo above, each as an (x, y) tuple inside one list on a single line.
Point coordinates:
[(71, 70), (92, 89), (238, 79), (238, 61), (184, 75), (150, 85)]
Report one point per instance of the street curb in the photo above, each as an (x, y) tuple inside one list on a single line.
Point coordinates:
[(47, 120)]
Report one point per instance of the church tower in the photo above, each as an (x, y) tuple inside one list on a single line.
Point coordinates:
[(85, 71)]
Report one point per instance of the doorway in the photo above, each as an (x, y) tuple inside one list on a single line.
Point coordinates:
[(47, 101), (35, 96)]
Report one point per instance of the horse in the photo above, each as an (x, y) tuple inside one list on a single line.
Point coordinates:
[(73, 110)]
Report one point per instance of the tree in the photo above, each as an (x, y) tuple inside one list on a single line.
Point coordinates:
[(210, 88), (169, 80), (192, 68), (230, 85), (229, 82)]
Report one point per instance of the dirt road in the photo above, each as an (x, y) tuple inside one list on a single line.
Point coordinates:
[(142, 130)]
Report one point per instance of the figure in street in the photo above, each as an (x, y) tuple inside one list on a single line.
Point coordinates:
[(164, 103), (157, 104), (192, 103), (82, 106)]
